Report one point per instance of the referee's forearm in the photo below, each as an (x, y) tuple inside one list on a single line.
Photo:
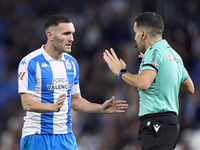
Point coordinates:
[(134, 80)]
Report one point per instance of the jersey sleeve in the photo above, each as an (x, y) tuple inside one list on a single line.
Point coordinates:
[(185, 74), (75, 87), (26, 77), (152, 60)]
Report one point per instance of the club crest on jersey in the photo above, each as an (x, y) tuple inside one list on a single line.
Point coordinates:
[(69, 66)]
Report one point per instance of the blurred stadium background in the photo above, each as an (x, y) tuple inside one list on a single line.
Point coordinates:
[(100, 24)]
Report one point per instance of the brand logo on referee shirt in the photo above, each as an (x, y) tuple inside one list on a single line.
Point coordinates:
[(173, 59), (170, 57)]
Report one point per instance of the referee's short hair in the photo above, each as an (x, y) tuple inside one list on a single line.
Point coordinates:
[(54, 20), (151, 21)]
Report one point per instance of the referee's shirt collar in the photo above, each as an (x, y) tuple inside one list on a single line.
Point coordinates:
[(163, 41), (48, 57)]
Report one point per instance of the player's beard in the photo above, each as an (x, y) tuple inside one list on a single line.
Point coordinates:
[(60, 46)]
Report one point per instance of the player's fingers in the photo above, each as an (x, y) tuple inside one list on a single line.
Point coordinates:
[(120, 111), (112, 98), (61, 101), (122, 106), (62, 95), (60, 104), (120, 101), (110, 101)]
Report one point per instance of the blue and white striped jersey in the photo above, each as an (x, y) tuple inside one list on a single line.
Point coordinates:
[(46, 79)]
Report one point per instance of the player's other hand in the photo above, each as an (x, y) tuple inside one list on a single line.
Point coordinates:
[(59, 103), (110, 106)]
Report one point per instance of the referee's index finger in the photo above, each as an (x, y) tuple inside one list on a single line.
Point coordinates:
[(109, 54), (113, 53), (106, 57)]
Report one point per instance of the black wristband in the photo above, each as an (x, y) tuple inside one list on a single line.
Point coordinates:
[(121, 72)]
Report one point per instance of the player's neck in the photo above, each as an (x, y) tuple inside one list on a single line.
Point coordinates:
[(49, 48)]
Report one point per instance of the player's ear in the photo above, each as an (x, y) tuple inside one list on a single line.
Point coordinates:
[(49, 35)]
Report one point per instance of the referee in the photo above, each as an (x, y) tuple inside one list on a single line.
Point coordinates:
[(160, 78)]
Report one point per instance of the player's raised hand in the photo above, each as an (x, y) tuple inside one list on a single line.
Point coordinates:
[(110, 106), (59, 103), (113, 62)]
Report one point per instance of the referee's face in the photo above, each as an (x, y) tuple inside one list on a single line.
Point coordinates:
[(63, 37), (139, 37)]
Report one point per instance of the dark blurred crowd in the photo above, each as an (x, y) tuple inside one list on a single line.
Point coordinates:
[(100, 25)]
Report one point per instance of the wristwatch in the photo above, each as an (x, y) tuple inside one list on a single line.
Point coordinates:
[(122, 71)]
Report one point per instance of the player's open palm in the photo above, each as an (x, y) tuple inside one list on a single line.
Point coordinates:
[(59, 103), (111, 106)]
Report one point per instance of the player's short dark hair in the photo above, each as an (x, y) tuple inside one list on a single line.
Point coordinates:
[(152, 21), (54, 20)]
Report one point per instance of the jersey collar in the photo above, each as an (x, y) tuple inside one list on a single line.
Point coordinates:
[(48, 57)]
